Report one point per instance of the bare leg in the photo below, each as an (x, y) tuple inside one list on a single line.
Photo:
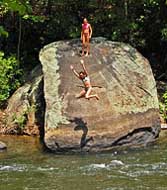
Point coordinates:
[(87, 95), (81, 94), (87, 46), (83, 45)]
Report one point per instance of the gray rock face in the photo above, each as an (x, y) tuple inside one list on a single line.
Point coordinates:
[(127, 112), (26, 106), (2, 146)]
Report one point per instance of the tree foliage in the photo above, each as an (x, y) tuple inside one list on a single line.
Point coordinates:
[(10, 74), (163, 106), (142, 23), (27, 25)]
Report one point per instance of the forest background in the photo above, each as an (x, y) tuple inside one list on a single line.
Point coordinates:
[(27, 25)]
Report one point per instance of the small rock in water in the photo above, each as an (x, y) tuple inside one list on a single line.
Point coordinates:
[(2, 146)]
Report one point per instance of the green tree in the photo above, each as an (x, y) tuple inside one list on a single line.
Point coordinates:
[(10, 74), (19, 10)]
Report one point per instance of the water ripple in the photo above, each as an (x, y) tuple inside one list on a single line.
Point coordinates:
[(19, 168), (113, 163)]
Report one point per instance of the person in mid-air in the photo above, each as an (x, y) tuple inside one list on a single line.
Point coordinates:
[(84, 77), (86, 34)]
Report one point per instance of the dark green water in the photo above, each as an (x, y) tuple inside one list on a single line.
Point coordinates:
[(24, 166)]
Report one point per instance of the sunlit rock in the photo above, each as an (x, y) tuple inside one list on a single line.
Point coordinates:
[(25, 110), (2, 146), (127, 112)]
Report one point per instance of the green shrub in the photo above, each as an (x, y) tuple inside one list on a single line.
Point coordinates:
[(163, 106), (10, 77), (20, 121)]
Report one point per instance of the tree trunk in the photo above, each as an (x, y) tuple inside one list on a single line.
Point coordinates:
[(19, 39)]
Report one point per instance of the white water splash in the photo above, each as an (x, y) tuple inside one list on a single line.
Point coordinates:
[(12, 168), (98, 165), (113, 163), (116, 163)]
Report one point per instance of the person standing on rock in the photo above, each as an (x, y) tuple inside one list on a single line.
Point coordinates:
[(84, 77), (86, 34)]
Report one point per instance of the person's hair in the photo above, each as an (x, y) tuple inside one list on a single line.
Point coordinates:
[(85, 19), (82, 72)]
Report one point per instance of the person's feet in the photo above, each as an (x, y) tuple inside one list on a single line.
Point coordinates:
[(87, 53)]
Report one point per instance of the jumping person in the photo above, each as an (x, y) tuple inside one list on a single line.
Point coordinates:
[(84, 77), (86, 34)]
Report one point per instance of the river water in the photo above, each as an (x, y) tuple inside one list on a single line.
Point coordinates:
[(25, 166)]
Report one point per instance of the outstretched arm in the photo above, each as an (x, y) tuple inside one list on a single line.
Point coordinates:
[(74, 71), (90, 29), (84, 68)]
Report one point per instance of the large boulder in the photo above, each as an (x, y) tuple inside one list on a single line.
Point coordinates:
[(127, 112), (25, 110)]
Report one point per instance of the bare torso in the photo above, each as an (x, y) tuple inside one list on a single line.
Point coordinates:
[(86, 82), (86, 29)]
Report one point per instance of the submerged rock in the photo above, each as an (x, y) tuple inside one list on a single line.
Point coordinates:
[(127, 112)]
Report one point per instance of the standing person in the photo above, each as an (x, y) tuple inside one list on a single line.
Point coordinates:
[(86, 34), (84, 77)]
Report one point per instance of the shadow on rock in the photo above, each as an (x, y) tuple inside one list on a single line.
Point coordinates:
[(82, 125)]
